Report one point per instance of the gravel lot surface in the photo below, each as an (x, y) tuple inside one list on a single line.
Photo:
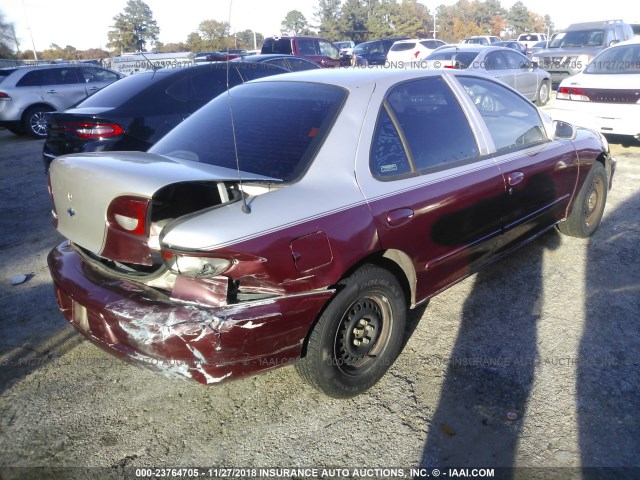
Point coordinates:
[(534, 362)]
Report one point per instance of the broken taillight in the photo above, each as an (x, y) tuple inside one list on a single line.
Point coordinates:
[(129, 214)]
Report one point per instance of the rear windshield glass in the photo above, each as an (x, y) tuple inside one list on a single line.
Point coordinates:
[(618, 60), (119, 92), (279, 127), (5, 72), (399, 47), (464, 59)]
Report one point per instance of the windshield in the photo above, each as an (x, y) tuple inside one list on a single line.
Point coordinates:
[(578, 38), (279, 127), (618, 60)]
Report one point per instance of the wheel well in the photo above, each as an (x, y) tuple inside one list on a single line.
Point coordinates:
[(45, 105), (396, 262)]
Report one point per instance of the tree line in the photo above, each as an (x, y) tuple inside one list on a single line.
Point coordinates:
[(135, 29)]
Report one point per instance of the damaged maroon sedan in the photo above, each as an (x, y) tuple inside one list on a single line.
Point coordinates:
[(297, 218)]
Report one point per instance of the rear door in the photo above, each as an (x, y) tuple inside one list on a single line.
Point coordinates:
[(496, 65), (432, 194), (61, 87), (526, 76)]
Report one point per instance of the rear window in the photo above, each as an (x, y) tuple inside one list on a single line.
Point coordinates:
[(118, 93), (464, 59), (271, 140), (282, 45), (5, 72), (401, 47)]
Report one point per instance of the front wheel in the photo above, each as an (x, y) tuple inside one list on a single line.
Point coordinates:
[(358, 336), (588, 206), (34, 121)]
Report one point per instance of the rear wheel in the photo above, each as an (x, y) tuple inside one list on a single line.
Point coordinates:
[(34, 121), (544, 92), (358, 336), (588, 206)]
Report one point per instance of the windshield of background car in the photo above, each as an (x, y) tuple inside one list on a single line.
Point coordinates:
[(463, 58), (618, 60), (278, 126), (578, 38)]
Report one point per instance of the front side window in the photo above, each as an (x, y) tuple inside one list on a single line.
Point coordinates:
[(328, 50), (421, 127), (513, 122), (277, 128)]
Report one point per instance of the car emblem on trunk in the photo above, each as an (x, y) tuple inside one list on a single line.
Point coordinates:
[(71, 211)]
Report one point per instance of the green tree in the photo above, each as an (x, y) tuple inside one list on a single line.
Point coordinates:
[(354, 20), (328, 15), (214, 34), (519, 18), (133, 28), (245, 39), (412, 19), (7, 38), (295, 23)]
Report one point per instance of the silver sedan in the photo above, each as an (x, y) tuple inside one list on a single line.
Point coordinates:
[(505, 64)]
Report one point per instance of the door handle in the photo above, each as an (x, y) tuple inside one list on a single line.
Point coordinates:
[(94, 88), (399, 217), (515, 178), (52, 91)]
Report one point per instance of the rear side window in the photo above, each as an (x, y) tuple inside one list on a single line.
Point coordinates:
[(282, 45), (401, 47), (95, 74), (430, 125), (279, 127), (34, 78)]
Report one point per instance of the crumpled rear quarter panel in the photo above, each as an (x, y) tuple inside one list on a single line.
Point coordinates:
[(206, 344)]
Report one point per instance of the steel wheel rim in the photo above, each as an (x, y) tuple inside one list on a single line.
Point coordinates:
[(363, 333), (594, 196)]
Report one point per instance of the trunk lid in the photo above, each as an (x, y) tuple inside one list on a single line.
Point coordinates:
[(84, 186)]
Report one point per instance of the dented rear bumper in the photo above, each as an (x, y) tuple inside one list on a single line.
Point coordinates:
[(206, 344)]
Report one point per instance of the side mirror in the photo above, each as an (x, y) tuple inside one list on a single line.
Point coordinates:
[(563, 130), (613, 42)]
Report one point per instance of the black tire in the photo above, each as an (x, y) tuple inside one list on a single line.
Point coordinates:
[(358, 336), (588, 206), (544, 93), (34, 123)]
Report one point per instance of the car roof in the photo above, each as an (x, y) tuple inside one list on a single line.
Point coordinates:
[(353, 78), (267, 56)]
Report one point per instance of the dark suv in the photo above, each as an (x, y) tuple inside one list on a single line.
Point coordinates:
[(137, 111), (318, 50), (375, 51)]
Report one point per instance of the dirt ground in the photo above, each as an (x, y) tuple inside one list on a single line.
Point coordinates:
[(533, 363)]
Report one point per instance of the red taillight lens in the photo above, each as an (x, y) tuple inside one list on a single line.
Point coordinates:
[(4, 96), (90, 130), (572, 93), (129, 214)]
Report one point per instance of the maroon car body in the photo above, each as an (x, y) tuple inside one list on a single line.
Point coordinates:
[(407, 183)]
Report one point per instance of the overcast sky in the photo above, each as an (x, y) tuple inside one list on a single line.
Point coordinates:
[(84, 24)]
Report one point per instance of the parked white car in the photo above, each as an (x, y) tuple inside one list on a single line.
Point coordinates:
[(413, 50), (606, 95), (530, 39)]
